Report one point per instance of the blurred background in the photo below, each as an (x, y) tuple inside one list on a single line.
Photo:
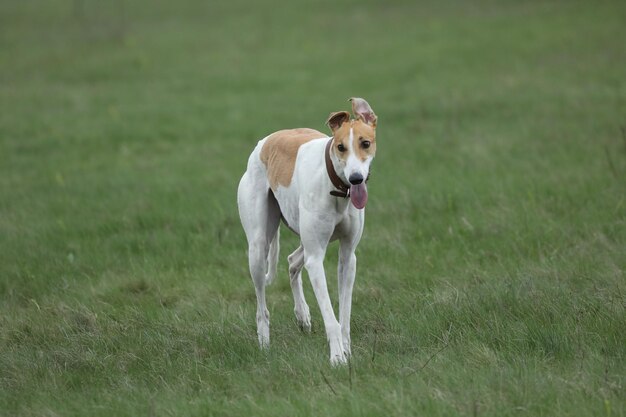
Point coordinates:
[(497, 194)]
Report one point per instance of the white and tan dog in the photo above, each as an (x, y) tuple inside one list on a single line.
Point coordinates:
[(305, 178)]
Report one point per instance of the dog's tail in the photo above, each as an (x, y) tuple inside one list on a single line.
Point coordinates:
[(272, 258)]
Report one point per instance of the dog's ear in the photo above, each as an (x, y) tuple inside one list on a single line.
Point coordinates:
[(335, 120), (363, 111)]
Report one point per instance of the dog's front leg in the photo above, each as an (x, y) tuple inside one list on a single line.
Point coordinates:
[(315, 235), (346, 272)]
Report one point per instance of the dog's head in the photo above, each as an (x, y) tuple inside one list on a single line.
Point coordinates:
[(354, 146)]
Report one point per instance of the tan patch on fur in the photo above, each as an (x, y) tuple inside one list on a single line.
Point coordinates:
[(361, 132), (279, 153)]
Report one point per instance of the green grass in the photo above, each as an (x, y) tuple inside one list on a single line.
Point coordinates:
[(491, 273)]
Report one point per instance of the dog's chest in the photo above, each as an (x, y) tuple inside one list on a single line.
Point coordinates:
[(306, 197)]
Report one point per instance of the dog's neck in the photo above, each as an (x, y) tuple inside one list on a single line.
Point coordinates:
[(339, 183)]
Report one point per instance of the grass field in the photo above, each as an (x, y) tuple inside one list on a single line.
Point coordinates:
[(491, 277)]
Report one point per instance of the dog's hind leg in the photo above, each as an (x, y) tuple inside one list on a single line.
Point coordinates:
[(273, 231), (260, 221), (301, 309)]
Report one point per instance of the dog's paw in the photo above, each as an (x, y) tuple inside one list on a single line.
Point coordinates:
[(303, 318), (347, 352), (346, 346), (338, 359), (263, 329), (264, 341)]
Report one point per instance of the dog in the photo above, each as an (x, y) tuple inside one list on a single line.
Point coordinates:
[(317, 185)]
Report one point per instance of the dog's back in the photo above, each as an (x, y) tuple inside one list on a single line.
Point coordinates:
[(279, 152)]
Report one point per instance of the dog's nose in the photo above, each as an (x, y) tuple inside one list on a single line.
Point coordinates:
[(355, 179)]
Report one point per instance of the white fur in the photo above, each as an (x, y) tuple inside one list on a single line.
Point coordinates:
[(318, 218)]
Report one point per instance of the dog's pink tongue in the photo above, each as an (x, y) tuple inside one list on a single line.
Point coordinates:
[(358, 195)]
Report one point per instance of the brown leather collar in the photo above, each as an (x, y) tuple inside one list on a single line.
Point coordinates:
[(334, 178)]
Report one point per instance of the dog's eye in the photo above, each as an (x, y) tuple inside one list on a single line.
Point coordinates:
[(365, 144), (341, 148)]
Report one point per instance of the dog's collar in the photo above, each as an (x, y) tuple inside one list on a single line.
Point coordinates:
[(344, 190)]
